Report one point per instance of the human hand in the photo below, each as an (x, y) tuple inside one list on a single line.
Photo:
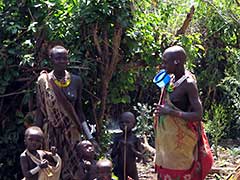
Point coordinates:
[(162, 109), (43, 164), (53, 150), (87, 165)]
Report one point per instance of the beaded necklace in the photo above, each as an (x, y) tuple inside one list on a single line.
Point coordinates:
[(172, 85), (64, 82)]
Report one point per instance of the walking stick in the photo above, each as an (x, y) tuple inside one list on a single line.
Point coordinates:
[(125, 153), (156, 117)]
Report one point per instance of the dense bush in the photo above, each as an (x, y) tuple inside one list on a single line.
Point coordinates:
[(115, 46)]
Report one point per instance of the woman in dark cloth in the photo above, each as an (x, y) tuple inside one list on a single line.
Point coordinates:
[(59, 109)]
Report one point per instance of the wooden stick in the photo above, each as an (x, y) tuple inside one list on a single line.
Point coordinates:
[(156, 117), (125, 152)]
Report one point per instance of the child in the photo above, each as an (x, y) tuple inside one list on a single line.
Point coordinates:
[(87, 165), (126, 148), (104, 169), (36, 163)]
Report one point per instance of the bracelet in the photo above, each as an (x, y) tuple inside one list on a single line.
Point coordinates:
[(35, 170), (180, 114), (86, 130)]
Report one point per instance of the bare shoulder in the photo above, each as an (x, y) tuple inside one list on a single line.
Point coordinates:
[(42, 77), (191, 80), (23, 155), (76, 79)]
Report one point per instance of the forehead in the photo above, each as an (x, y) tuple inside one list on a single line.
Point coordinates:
[(85, 144), (104, 168), (34, 132), (58, 54), (168, 56), (35, 136), (126, 117)]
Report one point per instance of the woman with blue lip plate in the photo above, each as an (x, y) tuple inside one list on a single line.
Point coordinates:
[(178, 117)]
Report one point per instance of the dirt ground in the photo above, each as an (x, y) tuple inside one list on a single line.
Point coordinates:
[(225, 165)]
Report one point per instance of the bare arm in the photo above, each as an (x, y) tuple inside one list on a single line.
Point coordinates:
[(25, 167), (31, 171), (138, 149), (78, 104), (79, 110), (115, 148), (195, 110), (80, 172)]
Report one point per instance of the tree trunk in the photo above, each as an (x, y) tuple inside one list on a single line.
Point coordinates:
[(109, 54)]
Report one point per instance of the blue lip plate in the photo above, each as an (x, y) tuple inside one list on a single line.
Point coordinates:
[(162, 78)]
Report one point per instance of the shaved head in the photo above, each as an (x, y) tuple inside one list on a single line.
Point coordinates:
[(34, 130), (57, 49), (176, 53), (128, 115), (104, 163)]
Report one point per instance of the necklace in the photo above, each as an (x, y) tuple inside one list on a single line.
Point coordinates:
[(64, 82), (172, 85), (179, 81)]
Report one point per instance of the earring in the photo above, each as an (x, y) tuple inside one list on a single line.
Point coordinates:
[(175, 62)]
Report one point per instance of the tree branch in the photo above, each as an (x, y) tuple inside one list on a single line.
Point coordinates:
[(95, 39), (106, 47), (186, 22), (116, 46), (133, 65)]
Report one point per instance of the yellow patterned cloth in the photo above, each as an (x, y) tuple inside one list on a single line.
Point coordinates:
[(175, 143), (49, 173)]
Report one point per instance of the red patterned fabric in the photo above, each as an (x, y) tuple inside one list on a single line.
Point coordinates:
[(205, 157), (200, 167)]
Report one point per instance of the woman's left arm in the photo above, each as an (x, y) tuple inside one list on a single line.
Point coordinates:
[(78, 103), (79, 109), (196, 110)]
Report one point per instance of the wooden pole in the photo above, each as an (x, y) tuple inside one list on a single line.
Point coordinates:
[(125, 152)]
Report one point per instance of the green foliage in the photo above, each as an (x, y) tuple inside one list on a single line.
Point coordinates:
[(145, 121), (106, 139), (230, 86), (29, 28), (217, 123), (11, 138)]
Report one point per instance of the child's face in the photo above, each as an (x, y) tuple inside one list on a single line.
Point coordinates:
[(104, 173), (87, 150), (34, 141), (126, 122)]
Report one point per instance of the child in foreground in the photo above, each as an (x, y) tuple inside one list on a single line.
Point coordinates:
[(104, 170), (87, 163), (126, 149), (35, 162)]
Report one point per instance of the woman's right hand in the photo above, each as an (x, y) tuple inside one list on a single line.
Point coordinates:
[(160, 110)]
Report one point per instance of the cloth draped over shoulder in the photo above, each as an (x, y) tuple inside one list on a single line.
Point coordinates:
[(177, 148), (49, 173), (59, 129)]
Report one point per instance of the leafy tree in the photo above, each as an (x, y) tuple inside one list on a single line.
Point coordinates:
[(115, 46)]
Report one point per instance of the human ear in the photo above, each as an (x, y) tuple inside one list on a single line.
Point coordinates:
[(176, 62)]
